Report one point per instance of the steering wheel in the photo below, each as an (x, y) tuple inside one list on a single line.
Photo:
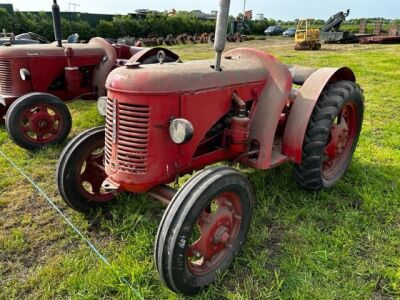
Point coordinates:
[(36, 37)]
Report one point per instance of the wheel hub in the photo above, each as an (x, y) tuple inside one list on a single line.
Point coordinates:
[(341, 139), (218, 230), (38, 125)]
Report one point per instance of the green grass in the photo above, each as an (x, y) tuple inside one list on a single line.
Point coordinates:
[(342, 243)]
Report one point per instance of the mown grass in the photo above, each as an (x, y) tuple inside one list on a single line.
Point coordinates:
[(343, 243)]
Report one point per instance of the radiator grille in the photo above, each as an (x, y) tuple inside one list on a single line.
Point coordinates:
[(132, 136), (5, 77)]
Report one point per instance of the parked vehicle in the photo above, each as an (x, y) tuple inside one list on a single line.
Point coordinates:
[(166, 121), (274, 30), (291, 32), (307, 37)]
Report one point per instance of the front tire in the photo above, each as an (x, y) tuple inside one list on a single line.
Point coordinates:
[(80, 172), (203, 229), (332, 136), (37, 120)]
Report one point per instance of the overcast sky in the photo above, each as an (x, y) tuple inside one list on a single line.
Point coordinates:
[(276, 9)]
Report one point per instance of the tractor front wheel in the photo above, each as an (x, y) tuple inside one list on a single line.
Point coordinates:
[(37, 120), (331, 136), (203, 229), (80, 172)]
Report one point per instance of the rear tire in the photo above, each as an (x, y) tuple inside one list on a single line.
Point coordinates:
[(203, 229), (332, 136)]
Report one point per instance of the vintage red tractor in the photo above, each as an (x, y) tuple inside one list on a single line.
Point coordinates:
[(165, 121), (37, 80)]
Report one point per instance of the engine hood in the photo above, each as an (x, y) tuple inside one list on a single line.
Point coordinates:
[(185, 77), (50, 50)]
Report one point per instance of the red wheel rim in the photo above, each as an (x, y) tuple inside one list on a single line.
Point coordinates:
[(341, 140), (92, 175), (215, 231), (41, 124)]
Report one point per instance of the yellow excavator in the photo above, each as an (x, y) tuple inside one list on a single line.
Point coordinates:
[(307, 38)]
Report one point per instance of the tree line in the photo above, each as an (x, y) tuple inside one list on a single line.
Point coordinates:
[(122, 25)]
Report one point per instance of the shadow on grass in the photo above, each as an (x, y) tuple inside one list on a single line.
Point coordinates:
[(285, 217)]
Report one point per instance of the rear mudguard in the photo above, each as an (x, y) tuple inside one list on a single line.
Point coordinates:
[(303, 107), (105, 67), (270, 103)]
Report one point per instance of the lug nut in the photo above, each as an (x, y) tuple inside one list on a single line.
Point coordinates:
[(225, 237)]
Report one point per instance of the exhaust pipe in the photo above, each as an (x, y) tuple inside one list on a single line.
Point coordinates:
[(221, 31), (57, 23)]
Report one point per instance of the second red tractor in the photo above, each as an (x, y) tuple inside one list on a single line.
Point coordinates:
[(37, 80)]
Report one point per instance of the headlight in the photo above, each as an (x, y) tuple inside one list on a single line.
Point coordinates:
[(25, 74), (102, 106), (181, 131)]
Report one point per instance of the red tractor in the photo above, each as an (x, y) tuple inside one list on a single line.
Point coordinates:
[(165, 121), (37, 80)]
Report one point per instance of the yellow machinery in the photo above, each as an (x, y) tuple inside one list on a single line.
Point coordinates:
[(307, 38)]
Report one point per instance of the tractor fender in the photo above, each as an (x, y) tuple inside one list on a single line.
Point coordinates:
[(149, 55), (105, 66), (270, 103), (303, 107)]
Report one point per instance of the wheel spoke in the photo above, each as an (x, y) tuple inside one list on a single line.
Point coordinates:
[(56, 117), (39, 136), (27, 128), (54, 131)]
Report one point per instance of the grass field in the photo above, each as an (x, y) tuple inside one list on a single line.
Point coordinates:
[(343, 243)]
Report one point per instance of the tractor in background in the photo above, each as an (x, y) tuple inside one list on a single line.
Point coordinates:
[(37, 80), (164, 121)]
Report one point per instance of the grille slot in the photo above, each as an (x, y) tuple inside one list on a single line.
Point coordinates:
[(5, 77), (132, 136)]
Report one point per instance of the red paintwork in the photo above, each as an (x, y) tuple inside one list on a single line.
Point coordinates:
[(41, 124), (135, 161), (304, 105), (341, 141), (92, 175), (140, 154), (219, 225), (80, 70), (270, 103)]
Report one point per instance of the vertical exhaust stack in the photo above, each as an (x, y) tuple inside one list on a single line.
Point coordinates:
[(57, 23), (221, 31)]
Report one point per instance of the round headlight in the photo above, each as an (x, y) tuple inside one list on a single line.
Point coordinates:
[(102, 106), (25, 74), (181, 131)]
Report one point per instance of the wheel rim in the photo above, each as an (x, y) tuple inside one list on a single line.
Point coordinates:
[(41, 124), (341, 139), (92, 174), (215, 231)]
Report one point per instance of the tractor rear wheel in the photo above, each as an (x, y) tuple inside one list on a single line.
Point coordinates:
[(37, 120), (332, 136), (80, 172), (203, 229)]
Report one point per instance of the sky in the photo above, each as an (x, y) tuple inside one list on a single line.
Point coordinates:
[(276, 9)]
